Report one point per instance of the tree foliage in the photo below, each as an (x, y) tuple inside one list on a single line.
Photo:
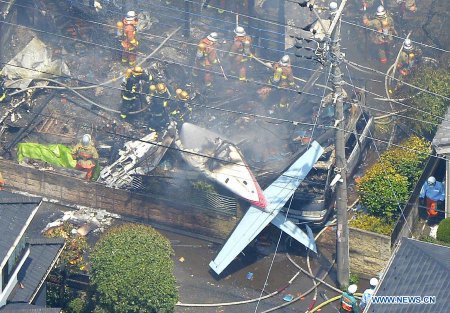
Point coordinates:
[(373, 224), (443, 232), (381, 190), (408, 160), (436, 80), (132, 270)]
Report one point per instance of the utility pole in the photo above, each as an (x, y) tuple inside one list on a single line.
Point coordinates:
[(342, 244)]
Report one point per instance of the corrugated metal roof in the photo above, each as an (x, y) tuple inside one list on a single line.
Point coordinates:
[(441, 140), (42, 255), (15, 210), (417, 269), (27, 308)]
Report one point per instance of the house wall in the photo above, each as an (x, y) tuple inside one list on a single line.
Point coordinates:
[(369, 252), (142, 208), (13, 280)]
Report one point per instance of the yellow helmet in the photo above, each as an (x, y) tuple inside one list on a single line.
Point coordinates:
[(161, 87), (152, 87), (119, 24), (128, 72), (137, 70), (184, 95)]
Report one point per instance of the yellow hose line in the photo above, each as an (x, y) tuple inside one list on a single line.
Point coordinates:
[(328, 302)]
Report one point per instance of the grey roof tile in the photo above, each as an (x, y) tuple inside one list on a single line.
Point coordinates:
[(42, 255), (14, 212), (27, 308), (418, 269)]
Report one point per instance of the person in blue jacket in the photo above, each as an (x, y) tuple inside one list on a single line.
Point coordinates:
[(432, 195)]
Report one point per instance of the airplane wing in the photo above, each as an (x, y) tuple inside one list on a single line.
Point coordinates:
[(256, 219)]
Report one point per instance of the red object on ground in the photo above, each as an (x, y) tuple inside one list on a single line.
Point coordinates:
[(431, 208)]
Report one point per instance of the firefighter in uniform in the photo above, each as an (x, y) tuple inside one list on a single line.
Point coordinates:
[(132, 89), (384, 26), (86, 156), (206, 57), (180, 109), (283, 78), (408, 58), (240, 52), (126, 31), (348, 302), (3, 92), (159, 117)]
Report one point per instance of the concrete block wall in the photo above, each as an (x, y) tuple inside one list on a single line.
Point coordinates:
[(369, 252), (142, 208)]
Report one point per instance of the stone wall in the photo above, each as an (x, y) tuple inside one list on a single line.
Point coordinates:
[(369, 252), (142, 208)]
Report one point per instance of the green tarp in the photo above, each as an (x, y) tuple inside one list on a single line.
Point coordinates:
[(58, 154)]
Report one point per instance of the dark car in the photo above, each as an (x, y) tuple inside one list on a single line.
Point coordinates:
[(313, 201)]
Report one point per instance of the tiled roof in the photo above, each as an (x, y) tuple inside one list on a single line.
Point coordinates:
[(36, 268), (15, 210), (27, 308), (441, 140), (417, 269)]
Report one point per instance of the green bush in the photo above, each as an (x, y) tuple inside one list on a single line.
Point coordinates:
[(132, 271), (76, 305), (373, 224), (353, 279), (427, 109), (409, 159), (381, 190), (443, 232)]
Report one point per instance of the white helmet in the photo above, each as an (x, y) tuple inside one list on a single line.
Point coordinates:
[(374, 282), (86, 140), (131, 16), (431, 180), (381, 11), (352, 288), (285, 60), (213, 37), (407, 45), (239, 31), (333, 6)]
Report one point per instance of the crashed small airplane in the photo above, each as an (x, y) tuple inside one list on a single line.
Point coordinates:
[(255, 219), (138, 157), (220, 161)]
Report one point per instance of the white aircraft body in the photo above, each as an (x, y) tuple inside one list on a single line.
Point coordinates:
[(256, 219)]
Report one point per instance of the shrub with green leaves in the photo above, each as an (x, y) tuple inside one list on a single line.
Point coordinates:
[(408, 160), (132, 271), (373, 224), (76, 305), (427, 109), (443, 232), (381, 190)]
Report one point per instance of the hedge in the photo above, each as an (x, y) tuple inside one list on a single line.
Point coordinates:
[(132, 271), (443, 232), (373, 224)]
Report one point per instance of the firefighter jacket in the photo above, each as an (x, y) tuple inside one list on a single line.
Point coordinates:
[(348, 303), (282, 76), (85, 156), (434, 192), (129, 41), (131, 87), (206, 53), (407, 60), (160, 102), (384, 27), (241, 48)]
